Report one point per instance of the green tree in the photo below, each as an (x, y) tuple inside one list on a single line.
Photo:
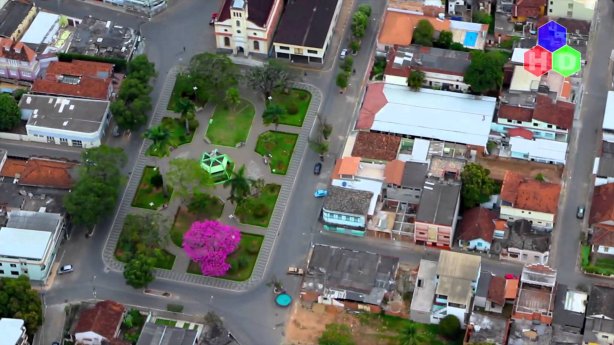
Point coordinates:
[(131, 116), (347, 64), (273, 113), (240, 187), (319, 146), (138, 272), (336, 334), (359, 24), (158, 134), (411, 335), (540, 177), (458, 47), (365, 9), (18, 93), (215, 72), (326, 128), (141, 233), (342, 80), (9, 112), (485, 73), (141, 68), (131, 89), (482, 17), (232, 97), (415, 79), (187, 177), (355, 46), (423, 33), (445, 40), (477, 185), (449, 326), (257, 186), (18, 300), (187, 109), (272, 76)]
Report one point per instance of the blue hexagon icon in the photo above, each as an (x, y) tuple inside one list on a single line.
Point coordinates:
[(551, 36)]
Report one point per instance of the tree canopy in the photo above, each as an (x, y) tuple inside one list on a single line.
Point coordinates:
[(482, 17), (336, 334), (209, 243), (411, 335), (415, 79), (187, 177), (477, 185), (359, 24), (485, 73), (445, 40), (272, 76), (141, 68), (239, 184), (9, 112), (216, 73), (273, 113), (423, 33), (342, 80), (449, 326), (133, 100), (18, 300), (138, 272)]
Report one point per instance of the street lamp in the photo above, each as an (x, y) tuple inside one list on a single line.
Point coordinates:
[(270, 98)]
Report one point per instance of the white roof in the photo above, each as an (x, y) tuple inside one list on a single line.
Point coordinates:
[(443, 115), (550, 150), (523, 80), (372, 186), (21, 243), (576, 301), (608, 118), (42, 29), (518, 55), (10, 329), (466, 26)]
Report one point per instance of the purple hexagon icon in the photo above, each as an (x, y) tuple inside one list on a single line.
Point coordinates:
[(551, 36)]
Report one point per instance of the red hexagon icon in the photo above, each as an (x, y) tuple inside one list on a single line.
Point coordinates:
[(537, 61)]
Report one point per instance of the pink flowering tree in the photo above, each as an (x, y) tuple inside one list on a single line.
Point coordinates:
[(209, 243)]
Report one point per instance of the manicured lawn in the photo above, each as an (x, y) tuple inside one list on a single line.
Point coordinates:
[(148, 196), (257, 210), (601, 265), (230, 126), (249, 247), (165, 322), (297, 100), (178, 137), (280, 145), (388, 327), (184, 219)]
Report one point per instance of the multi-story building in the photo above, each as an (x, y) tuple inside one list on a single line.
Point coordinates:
[(576, 9), (80, 79), (17, 61), (15, 17), (599, 322), (13, 332), (536, 294)]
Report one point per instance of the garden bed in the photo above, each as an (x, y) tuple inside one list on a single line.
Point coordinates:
[(247, 252), (257, 210), (240, 116), (177, 137), (600, 265), (296, 102), (148, 196), (165, 322), (280, 146), (184, 219)]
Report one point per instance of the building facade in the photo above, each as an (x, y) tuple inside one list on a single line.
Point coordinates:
[(576, 9), (13, 332), (17, 61)]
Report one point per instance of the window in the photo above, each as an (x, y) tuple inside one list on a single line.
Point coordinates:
[(238, 31), (238, 23), (284, 48), (51, 140), (298, 51), (419, 283), (256, 45), (77, 143), (493, 304), (479, 244), (535, 124), (1, 271), (25, 271), (15, 273), (311, 51), (13, 265), (549, 126), (63, 141), (570, 6), (226, 42), (508, 120)]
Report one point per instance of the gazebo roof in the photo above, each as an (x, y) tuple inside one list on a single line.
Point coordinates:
[(214, 163)]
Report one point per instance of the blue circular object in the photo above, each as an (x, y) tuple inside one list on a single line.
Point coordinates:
[(283, 300)]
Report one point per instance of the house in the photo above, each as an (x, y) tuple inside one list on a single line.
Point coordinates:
[(575, 9), (13, 332), (65, 121), (523, 198), (569, 310), (397, 28), (17, 61), (79, 79), (99, 324), (476, 230), (308, 42), (602, 206), (29, 242), (39, 172), (486, 329), (608, 119), (247, 26), (349, 278), (430, 8), (423, 296), (443, 68), (154, 334), (43, 32), (603, 169), (405, 181), (494, 292), (345, 210), (437, 215), (482, 291), (599, 322), (523, 244), (429, 114), (105, 39), (535, 300), (379, 147), (15, 17), (525, 9), (602, 239), (538, 150)]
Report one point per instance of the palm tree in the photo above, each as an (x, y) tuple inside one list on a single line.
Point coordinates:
[(232, 98), (409, 335), (273, 113), (239, 186), (186, 108), (257, 185), (158, 134)]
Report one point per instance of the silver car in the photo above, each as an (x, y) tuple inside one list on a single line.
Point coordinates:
[(65, 269), (344, 53)]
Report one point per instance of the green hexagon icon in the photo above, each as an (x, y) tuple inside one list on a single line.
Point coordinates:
[(566, 61)]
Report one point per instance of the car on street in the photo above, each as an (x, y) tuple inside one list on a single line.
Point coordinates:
[(320, 193), (317, 169), (580, 212), (65, 269), (296, 271), (343, 54)]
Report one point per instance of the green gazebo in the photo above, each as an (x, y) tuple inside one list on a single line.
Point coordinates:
[(219, 166)]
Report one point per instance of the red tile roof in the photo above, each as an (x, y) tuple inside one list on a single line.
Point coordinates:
[(519, 132), (511, 112), (104, 319), (378, 146), (346, 166), (394, 172), (496, 290), (477, 223), (39, 172), (16, 51), (555, 112), (94, 79), (602, 208), (603, 235), (530, 194), (528, 8), (373, 102)]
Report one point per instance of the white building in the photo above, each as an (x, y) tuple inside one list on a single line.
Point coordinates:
[(608, 119), (576, 9), (29, 242), (539, 150), (64, 121), (13, 332)]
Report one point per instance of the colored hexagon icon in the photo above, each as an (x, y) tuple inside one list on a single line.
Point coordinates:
[(537, 61), (566, 61), (552, 36)]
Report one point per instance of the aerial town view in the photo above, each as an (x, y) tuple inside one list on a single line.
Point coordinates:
[(306, 172)]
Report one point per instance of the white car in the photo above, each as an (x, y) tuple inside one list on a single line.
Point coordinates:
[(344, 53), (65, 269)]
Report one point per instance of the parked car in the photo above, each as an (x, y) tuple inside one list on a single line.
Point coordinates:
[(116, 132), (344, 53), (295, 270), (317, 169), (320, 193), (213, 18), (65, 269), (580, 212)]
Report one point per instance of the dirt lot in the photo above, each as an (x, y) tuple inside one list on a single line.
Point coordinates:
[(498, 167)]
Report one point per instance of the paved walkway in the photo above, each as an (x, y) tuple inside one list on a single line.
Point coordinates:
[(241, 156)]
